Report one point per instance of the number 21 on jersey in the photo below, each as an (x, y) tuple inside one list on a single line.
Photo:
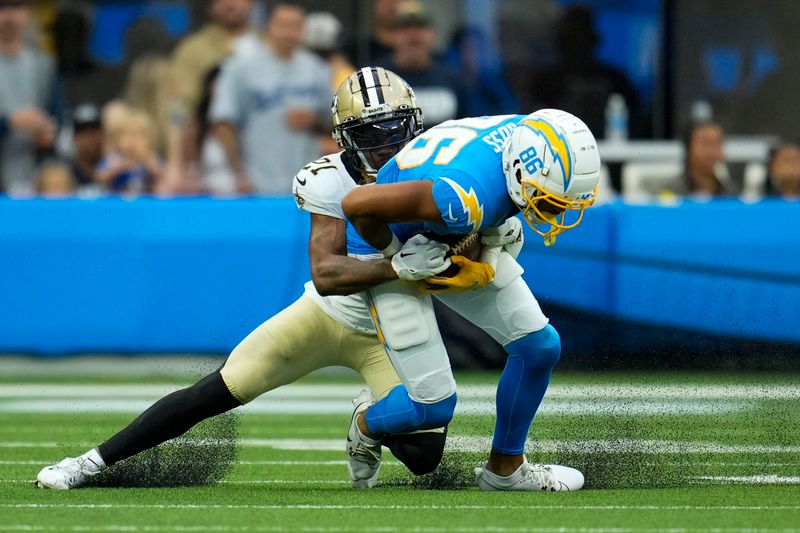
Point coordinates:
[(444, 142)]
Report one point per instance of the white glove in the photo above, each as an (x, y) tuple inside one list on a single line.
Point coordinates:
[(420, 258), (508, 235), (508, 232)]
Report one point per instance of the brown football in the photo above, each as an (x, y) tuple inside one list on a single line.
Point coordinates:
[(468, 246)]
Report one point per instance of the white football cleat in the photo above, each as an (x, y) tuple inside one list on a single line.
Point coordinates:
[(532, 477), (70, 473), (364, 461)]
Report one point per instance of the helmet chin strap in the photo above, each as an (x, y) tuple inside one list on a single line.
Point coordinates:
[(550, 236), (367, 166), (546, 218)]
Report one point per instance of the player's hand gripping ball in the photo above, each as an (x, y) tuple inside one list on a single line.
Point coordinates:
[(465, 273), (420, 258)]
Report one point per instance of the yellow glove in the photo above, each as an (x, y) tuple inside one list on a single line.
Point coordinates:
[(471, 276)]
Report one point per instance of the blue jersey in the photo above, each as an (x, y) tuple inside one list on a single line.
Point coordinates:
[(463, 159)]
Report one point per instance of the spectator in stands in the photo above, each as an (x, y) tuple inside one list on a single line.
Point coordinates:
[(148, 90), (132, 167), (323, 37), (148, 46), (479, 64), (580, 83), (84, 80), (270, 105), (54, 180), (783, 169), (228, 32), (87, 144), (206, 160), (113, 113), (437, 87), (705, 171), (380, 46), (323, 33), (523, 27), (29, 101), (766, 111)]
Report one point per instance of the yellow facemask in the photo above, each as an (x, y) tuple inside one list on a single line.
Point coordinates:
[(535, 197)]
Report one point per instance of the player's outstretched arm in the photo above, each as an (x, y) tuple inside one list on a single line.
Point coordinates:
[(332, 271), (372, 208)]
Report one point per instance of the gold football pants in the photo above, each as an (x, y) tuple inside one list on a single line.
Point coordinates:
[(298, 340)]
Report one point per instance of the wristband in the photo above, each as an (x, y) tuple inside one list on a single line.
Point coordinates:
[(393, 247)]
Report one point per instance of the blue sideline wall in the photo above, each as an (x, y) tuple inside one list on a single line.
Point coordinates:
[(198, 274), (724, 268)]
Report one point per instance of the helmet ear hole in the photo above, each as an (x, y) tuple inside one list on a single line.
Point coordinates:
[(519, 176)]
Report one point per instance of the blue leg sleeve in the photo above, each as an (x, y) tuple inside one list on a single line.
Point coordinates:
[(522, 386), (398, 413)]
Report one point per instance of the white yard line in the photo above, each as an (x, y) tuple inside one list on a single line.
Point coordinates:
[(467, 443), (759, 479), (389, 529), (245, 482), (577, 399), (473, 399), (249, 463), (433, 507), (466, 406), (349, 390), (42, 444), (183, 365)]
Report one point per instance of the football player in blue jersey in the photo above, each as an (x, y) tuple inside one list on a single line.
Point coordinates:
[(461, 177)]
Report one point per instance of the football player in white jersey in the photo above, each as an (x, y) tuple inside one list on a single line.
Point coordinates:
[(375, 116)]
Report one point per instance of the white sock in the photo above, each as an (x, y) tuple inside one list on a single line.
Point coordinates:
[(93, 458), (505, 480)]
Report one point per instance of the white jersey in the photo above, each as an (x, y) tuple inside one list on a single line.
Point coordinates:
[(319, 188)]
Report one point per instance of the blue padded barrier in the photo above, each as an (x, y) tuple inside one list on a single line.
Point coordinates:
[(723, 267), (145, 275), (198, 274)]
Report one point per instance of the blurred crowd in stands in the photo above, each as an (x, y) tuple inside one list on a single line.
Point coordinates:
[(234, 109)]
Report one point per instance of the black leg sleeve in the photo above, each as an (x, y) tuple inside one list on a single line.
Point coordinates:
[(420, 452), (170, 417)]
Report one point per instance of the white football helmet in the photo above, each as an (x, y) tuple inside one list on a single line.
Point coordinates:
[(552, 169)]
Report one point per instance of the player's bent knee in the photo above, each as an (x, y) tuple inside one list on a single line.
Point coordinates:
[(540, 349), (420, 452), (399, 413), (424, 463), (437, 414)]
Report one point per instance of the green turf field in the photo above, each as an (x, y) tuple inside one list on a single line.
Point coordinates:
[(662, 453)]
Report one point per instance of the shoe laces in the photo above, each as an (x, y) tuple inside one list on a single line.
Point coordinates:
[(82, 467), (361, 450), (365, 452), (541, 475)]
